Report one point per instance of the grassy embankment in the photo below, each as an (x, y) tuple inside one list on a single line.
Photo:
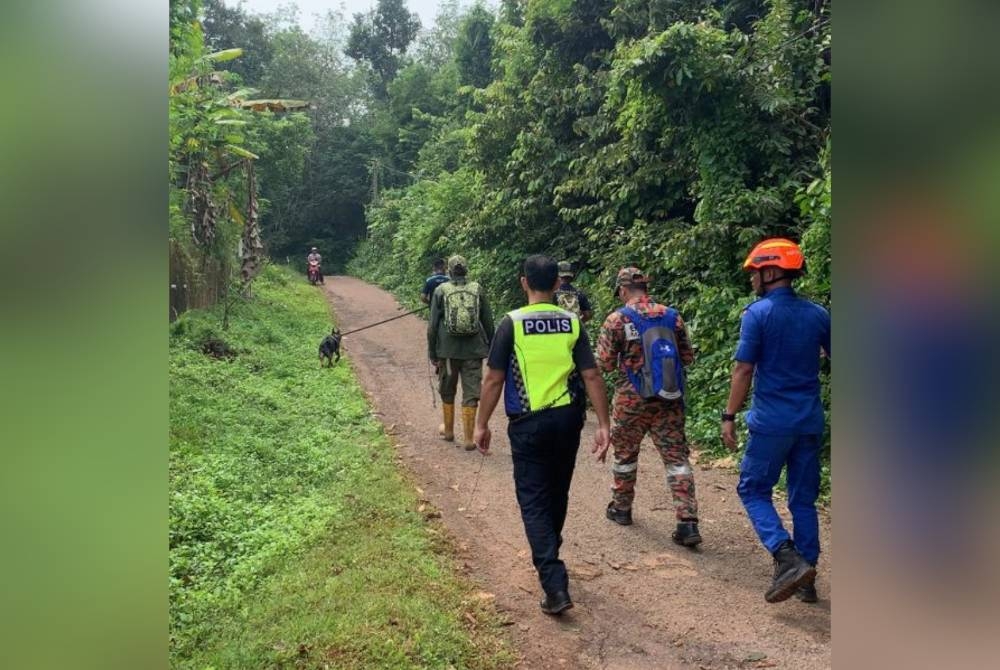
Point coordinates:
[(294, 539)]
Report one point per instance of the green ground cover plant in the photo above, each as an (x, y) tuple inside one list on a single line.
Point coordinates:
[(295, 541)]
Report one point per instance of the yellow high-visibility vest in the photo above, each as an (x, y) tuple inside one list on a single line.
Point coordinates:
[(544, 337)]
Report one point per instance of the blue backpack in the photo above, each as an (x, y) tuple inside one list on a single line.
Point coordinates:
[(662, 373)]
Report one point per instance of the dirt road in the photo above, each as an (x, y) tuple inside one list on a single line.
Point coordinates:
[(641, 601)]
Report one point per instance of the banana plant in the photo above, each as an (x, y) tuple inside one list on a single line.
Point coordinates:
[(207, 144)]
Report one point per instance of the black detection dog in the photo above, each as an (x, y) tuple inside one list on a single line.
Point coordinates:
[(329, 348)]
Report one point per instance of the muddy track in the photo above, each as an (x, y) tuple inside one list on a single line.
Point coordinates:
[(641, 601)]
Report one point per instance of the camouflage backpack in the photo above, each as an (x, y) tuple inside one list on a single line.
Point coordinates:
[(569, 301), (461, 308)]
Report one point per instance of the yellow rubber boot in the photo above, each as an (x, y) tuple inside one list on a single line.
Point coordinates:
[(447, 429), (469, 424)]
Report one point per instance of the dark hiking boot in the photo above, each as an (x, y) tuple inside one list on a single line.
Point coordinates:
[(790, 572), (687, 534), (622, 517), (807, 592), (556, 603)]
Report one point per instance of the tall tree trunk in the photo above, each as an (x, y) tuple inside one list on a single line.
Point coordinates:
[(253, 248)]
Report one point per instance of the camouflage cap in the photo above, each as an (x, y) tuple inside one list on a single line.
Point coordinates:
[(565, 269), (630, 276), (457, 261)]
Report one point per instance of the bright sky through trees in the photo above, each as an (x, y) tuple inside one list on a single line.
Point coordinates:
[(427, 9)]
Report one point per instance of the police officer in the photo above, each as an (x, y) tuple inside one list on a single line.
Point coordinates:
[(620, 347), (538, 357), (458, 353), (781, 337)]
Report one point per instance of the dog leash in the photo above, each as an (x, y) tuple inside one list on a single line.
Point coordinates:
[(430, 384), (379, 323), (475, 482)]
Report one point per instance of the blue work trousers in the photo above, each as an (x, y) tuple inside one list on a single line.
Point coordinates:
[(765, 456), (543, 447)]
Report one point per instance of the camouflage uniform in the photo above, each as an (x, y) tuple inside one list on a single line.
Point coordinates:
[(633, 417)]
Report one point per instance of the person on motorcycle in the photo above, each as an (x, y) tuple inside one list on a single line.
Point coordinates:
[(315, 257)]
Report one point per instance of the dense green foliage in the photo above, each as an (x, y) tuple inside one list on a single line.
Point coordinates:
[(215, 129), (272, 541), (380, 39), (311, 166), (673, 135)]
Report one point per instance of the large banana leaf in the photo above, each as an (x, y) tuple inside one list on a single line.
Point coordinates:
[(241, 94), (224, 55), (240, 151)]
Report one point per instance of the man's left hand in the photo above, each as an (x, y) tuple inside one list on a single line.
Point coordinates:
[(729, 435)]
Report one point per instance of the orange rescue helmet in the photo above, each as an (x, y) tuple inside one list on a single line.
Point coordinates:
[(776, 252)]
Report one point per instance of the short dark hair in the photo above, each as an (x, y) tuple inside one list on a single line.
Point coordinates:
[(540, 271), (438, 264)]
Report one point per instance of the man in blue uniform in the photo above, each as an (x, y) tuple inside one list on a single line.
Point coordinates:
[(782, 337), (436, 279)]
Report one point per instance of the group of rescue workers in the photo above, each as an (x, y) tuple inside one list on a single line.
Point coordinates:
[(540, 360)]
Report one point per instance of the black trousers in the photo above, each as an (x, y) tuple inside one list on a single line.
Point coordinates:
[(544, 447)]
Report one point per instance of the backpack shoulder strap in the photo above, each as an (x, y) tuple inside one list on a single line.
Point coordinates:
[(671, 316), (629, 314)]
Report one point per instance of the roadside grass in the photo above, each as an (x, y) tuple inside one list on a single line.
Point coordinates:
[(295, 541)]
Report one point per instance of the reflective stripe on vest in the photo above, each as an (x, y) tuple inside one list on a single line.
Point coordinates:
[(544, 336)]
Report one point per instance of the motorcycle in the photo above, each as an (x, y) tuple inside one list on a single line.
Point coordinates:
[(314, 274)]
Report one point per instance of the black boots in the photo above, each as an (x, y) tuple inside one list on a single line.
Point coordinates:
[(807, 592), (790, 572), (619, 516), (687, 534), (556, 603)]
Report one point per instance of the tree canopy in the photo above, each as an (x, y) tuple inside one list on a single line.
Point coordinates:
[(380, 38)]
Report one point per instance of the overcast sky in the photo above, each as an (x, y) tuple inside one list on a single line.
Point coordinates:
[(427, 9)]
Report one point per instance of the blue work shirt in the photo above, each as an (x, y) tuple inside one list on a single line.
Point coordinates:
[(432, 283), (781, 335)]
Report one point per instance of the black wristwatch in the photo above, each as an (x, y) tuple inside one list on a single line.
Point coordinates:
[(728, 417)]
